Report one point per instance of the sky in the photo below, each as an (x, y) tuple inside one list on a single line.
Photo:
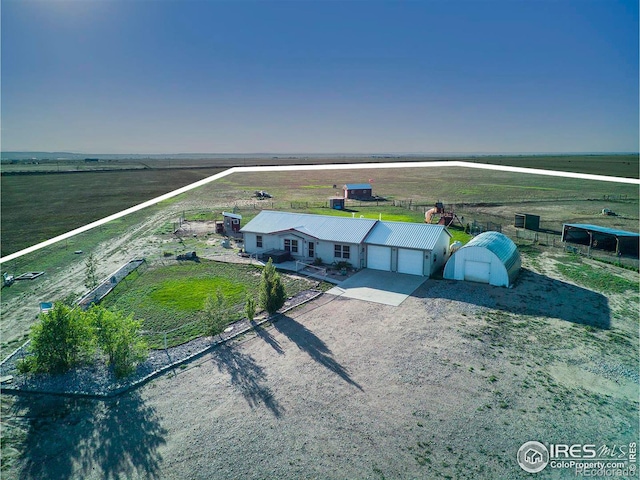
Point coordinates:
[(432, 76)]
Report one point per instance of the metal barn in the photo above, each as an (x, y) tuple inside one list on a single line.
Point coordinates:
[(616, 241), (491, 258)]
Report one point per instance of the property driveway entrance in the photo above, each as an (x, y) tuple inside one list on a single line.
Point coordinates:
[(388, 288)]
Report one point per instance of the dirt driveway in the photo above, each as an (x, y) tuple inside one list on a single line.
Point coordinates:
[(448, 385)]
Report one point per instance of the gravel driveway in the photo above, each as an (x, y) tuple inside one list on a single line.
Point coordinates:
[(338, 389)]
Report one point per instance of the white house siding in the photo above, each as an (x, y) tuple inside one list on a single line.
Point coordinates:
[(441, 252)]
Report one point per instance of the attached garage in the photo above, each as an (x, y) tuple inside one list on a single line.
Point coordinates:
[(379, 258), (410, 261), (491, 258), (411, 248)]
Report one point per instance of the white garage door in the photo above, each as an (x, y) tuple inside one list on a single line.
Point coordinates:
[(379, 258), (477, 271), (410, 261)]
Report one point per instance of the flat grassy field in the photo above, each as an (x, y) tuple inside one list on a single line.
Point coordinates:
[(39, 206), (171, 297)]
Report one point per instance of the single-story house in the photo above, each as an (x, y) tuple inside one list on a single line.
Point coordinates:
[(414, 248), (490, 257), (358, 191)]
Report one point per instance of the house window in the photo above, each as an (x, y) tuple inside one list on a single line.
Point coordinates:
[(259, 241), (342, 251), (291, 245)]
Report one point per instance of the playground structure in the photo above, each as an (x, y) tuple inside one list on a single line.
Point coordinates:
[(443, 216)]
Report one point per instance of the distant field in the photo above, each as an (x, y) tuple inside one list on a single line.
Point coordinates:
[(36, 207)]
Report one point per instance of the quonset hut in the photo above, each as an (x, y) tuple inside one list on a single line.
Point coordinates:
[(491, 258)]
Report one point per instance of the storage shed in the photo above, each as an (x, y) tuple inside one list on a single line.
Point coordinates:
[(336, 203), (620, 242), (527, 221), (491, 258), (231, 222), (358, 191)]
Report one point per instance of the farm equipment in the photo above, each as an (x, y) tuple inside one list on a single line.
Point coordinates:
[(7, 280), (261, 194)]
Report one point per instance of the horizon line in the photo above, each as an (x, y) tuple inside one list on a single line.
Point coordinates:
[(282, 168)]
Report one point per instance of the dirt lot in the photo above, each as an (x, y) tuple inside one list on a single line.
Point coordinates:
[(448, 385)]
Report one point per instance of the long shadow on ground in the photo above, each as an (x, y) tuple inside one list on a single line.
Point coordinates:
[(268, 338), (313, 346), (548, 298), (247, 376), (73, 438)]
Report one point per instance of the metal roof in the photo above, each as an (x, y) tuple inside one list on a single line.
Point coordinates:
[(232, 215), (501, 246), (419, 236), (322, 227), (597, 228), (357, 186)]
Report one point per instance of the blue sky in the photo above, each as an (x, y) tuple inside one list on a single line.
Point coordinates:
[(145, 76)]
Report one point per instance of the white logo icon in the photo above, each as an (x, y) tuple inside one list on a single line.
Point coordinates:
[(533, 457)]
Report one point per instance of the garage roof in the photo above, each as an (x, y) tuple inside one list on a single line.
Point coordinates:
[(419, 236), (597, 228), (322, 227)]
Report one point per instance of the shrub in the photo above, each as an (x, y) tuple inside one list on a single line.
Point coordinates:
[(272, 291), (62, 339), (215, 312), (118, 336)]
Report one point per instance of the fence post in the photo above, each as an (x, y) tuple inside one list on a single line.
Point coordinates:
[(165, 340)]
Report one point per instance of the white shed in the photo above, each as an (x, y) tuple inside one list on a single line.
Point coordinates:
[(491, 258)]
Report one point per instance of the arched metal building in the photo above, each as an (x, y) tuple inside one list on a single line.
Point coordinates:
[(490, 257)]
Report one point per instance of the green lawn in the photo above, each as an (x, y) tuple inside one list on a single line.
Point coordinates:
[(172, 297)]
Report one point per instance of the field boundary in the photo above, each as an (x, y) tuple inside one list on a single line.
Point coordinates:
[(317, 167)]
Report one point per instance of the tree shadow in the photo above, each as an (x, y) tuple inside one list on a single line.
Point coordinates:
[(532, 294), (313, 346), (72, 438), (248, 377), (264, 334)]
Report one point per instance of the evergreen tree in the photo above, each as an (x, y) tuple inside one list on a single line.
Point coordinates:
[(272, 291), (250, 307)]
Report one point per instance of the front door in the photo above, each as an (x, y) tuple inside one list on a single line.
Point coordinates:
[(312, 250)]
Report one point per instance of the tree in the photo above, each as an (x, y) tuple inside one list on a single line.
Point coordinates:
[(272, 291), (118, 336), (91, 276), (215, 312), (62, 339), (250, 307)]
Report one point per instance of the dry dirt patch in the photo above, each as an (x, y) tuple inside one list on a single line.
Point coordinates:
[(448, 385)]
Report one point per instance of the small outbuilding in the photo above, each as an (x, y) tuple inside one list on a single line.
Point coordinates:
[(231, 222), (490, 257), (358, 191), (336, 203)]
